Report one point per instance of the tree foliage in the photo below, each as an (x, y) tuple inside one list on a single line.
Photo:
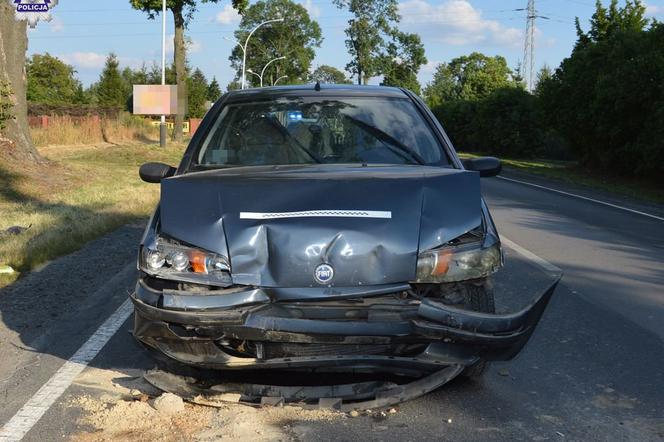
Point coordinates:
[(51, 81), (469, 77), (111, 88), (328, 74), (214, 90), (505, 122), (402, 60), (372, 22), (607, 97), (198, 93), (485, 108), (607, 22), (186, 8), (295, 38), (6, 105)]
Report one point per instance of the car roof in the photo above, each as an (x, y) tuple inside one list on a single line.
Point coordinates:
[(310, 90)]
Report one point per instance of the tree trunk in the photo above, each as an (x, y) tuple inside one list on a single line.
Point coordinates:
[(180, 73), (13, 46)]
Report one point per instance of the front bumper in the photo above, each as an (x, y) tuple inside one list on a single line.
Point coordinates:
[(368, 329)]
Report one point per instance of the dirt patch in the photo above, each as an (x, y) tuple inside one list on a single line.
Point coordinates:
[(120, 406), (136, 420), (108, 419)]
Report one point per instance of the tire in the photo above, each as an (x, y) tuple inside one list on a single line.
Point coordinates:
[(478, 298)]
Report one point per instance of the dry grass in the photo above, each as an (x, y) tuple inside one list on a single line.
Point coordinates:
[(64, 130), (83, 192)]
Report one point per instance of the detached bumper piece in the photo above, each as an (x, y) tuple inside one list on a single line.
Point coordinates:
[(377, 330), (342, 397)]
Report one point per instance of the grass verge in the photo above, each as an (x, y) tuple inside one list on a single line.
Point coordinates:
[(569, 172), (81, 193), (65, 130)]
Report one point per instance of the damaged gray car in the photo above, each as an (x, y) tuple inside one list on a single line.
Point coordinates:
[(325, 228)]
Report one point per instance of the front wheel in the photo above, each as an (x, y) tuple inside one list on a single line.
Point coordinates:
[(478, 297)]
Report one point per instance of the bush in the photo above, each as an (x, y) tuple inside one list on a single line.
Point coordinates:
[(607, 99), (507, 122)]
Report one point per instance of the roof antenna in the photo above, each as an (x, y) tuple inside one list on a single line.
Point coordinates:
[(317, 87)]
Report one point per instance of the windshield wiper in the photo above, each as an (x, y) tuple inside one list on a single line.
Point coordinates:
[(388, 140), (294, 141)]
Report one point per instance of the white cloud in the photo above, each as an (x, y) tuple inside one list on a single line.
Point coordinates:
[(430, 67), (57, 25), (95, 60), (456, 22), (312, 9), (228, 15), (86, 60), (653, 10)]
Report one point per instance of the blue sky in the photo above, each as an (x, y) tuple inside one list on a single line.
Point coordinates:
[(83, 32)]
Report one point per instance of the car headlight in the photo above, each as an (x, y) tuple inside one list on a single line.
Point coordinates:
[(168, 260), (458, 263)]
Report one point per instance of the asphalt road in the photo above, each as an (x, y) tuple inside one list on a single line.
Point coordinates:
[(594, 370)]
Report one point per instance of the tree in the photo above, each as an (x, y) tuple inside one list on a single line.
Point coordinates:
[(111, 88), (233, 86), (607, 99), (51, 81), (183, 11), (154, 74), (214, 90), (372, 20), (295, 38), (606, 22), (545, 74), (13, 46), (469, 77), (328, 74), (198, 90), (403, 59)]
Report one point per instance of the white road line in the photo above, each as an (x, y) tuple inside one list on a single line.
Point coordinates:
[(541, 262), (19, 425), (615, 206)]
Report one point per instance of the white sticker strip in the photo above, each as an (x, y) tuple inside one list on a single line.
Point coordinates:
[(318, 214), (19, 425)]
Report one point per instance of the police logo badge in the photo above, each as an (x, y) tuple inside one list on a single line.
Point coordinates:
[(33, 11)]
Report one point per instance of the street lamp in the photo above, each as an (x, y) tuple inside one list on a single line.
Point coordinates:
[(254, 73), (246, 43), (265, 67), (260, 76), (277, 80)]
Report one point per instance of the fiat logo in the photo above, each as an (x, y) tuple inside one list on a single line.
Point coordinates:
[(324, 273)]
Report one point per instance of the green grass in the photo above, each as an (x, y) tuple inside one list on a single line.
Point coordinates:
[(82, 193), (570, 172)]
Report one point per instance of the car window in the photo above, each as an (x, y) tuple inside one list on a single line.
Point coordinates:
[(366, 130)]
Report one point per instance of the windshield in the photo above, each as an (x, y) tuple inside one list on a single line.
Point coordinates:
[(309, 130)]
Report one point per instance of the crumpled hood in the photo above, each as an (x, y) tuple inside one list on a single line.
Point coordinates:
[(368, 223)]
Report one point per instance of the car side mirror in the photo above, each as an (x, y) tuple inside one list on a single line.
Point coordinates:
[(155, 172), (486, 166)]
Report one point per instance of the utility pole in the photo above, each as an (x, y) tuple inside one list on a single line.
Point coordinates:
[(162, 126), (528, 64)]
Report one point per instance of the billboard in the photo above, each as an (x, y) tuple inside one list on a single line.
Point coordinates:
[(155, 99)]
